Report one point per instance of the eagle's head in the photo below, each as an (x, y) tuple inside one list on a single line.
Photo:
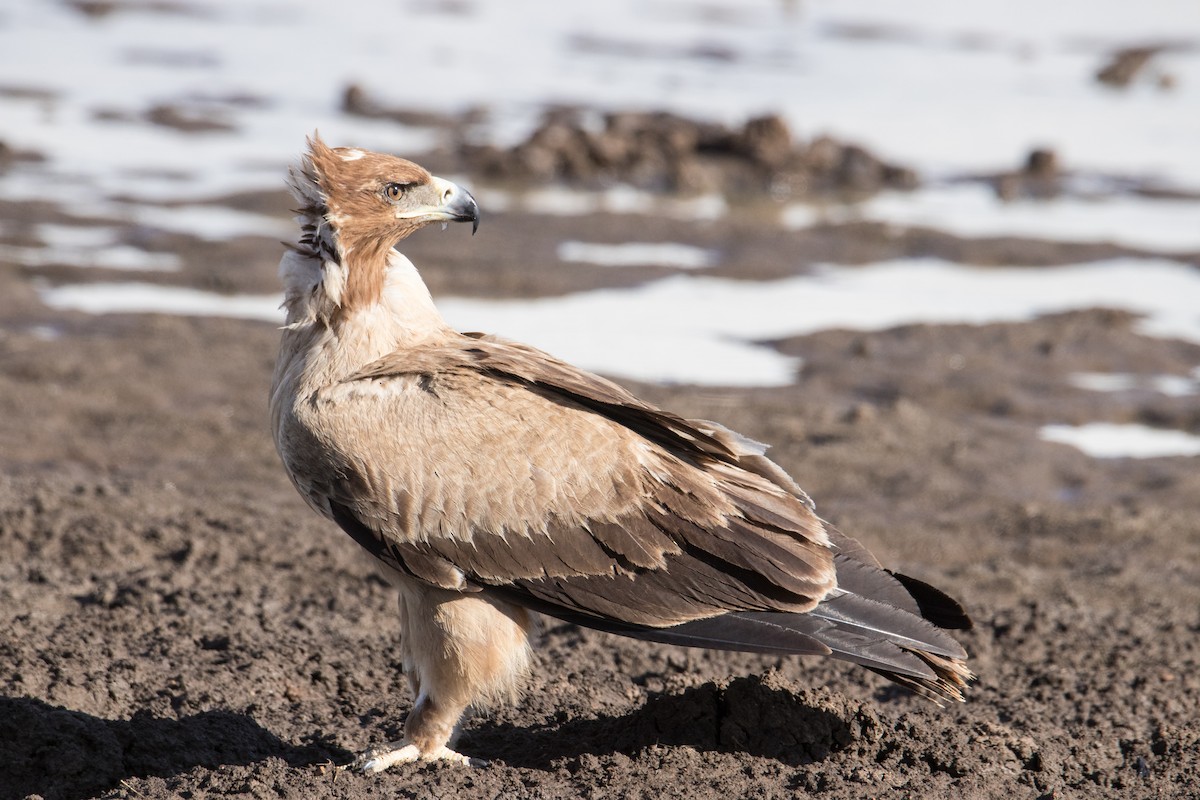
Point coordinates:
[(357, 205)]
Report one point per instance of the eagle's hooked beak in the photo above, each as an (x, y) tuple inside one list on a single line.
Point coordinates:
[(457, 204)]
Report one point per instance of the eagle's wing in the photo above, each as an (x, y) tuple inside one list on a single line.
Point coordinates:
[(477, 464)]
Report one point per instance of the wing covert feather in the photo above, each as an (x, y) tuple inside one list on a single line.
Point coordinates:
[(622, 510)]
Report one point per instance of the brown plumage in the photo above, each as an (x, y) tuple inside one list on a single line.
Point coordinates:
[(495, 479)]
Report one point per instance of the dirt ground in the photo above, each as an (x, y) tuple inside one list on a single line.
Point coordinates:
[(174, 622)]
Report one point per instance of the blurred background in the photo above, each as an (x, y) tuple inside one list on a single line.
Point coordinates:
[(150, 135)]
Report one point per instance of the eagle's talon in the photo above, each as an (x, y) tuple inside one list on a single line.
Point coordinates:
[(383, 757)]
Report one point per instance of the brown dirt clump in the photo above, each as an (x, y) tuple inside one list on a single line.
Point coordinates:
[(1129, 64), (664, 152)]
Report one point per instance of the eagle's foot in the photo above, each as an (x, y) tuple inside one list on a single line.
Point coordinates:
[(377, 759)]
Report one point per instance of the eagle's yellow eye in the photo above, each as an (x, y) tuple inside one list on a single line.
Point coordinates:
[(394, 191)]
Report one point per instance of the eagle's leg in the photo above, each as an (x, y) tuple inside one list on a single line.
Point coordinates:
[(460, 651)]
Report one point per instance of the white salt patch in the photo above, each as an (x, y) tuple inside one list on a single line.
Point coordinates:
[(210, 222), (703, 208), (620, 330), (799, 215), (667, 354), (637, 254), (561, 201), (699, 329), (1169, 385), (492, 201), (97, 245), (974, 210), (121, 256), (146, 298), (1107, 440), (87, 246), (629, 334), (664, 332), (796, 216), (624, 199), (76, 236)]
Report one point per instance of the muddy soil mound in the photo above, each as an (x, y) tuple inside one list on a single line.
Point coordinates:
[(665, 152)]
